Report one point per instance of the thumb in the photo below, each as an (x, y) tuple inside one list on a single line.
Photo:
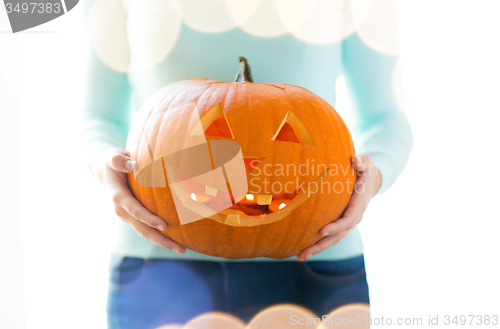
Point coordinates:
[(120, 162)]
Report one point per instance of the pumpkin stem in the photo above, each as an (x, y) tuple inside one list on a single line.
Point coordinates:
[(244, 74)]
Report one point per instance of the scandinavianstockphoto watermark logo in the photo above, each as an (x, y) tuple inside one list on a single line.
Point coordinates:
[(25, 14)]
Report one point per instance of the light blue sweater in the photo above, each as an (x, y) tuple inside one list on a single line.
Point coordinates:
[(138, 48)]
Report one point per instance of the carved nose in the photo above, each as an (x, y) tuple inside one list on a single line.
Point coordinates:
[(252, 162)]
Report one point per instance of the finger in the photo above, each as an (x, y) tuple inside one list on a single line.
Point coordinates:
[(341, 225), (357, 163), (359, 186), (352, 216), (320, 246), (123, 197), (156, 237), (120, 162), (151, 234)]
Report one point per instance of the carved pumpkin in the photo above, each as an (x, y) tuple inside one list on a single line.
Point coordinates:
[(296, 161)]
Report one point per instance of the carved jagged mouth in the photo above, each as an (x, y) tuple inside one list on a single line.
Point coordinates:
[(262, 209), (262, 204)]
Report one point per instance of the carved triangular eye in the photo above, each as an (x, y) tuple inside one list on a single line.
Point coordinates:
[(252, 162), (214, 123), (219, 128), (286, 134), (292, 130)]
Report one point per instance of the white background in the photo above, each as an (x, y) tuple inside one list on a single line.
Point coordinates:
[(431, 241)]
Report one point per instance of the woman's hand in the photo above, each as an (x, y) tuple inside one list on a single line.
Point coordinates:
[(367, 183), (111, 168)]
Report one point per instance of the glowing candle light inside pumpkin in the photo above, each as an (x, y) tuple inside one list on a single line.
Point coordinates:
[(224, 212), (248, 199), (279, 204), (200, 198)]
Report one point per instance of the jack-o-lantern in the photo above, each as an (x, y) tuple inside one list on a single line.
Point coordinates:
[(295, 152)]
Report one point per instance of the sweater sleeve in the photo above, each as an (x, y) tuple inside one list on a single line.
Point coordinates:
[(373, 82), (106, 113)]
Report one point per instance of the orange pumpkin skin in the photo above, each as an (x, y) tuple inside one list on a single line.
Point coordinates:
[(254, 112)]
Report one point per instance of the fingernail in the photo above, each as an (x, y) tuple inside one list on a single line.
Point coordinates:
[(177, 251), (326, 234), (160, 227), (130, 165), (359, 159), (307, 257)]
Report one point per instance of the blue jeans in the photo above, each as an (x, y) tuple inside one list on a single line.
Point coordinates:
[(148, 293)]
